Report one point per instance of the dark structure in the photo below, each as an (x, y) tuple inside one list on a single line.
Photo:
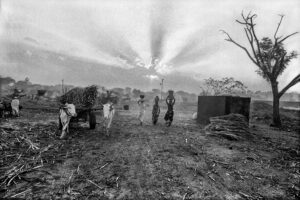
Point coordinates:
[(41, 92), (212, 106), (126, 107)]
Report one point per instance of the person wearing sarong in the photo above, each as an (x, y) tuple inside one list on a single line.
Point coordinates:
[(155, 110), (170, 101), (142, 109), (15, 103)]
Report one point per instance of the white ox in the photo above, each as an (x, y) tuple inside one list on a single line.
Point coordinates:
[(65, 114), (108, 114)]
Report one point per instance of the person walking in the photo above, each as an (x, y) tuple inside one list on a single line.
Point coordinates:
[(170, 101), (15, 103), (142, 109), (155, 110)]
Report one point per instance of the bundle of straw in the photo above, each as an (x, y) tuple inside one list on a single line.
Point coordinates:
[(81, 96)]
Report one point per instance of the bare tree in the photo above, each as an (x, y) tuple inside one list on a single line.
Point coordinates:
[(269, 56)]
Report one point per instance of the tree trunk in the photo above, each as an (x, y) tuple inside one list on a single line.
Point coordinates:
[(276, 115)]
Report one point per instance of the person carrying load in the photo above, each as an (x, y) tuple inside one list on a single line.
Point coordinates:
[(170, 101), (155, 110)]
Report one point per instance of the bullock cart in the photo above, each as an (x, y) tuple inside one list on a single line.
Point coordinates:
[(85, 101)]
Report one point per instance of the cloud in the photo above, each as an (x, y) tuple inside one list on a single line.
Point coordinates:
[(29, 53), (160, 19), (183, 35), (152, 77), (31, 40)]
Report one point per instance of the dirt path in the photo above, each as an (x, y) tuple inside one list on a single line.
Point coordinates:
[(179, 162)]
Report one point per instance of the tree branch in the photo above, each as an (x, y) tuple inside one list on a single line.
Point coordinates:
[(250, 39), (292, 83), (248, 16), (243, 23), (247, 20), (287, 37), (276, 38), (249, 31), (256, 40), (229, 39), (259, 54), (279, 62)]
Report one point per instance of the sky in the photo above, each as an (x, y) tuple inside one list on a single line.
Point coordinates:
[(177, 40)]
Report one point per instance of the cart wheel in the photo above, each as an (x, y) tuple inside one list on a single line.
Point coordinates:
[(92, 120), (59, 124)]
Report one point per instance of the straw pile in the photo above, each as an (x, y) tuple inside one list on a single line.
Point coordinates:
[(232, 126), (27, 151), (81, 96)]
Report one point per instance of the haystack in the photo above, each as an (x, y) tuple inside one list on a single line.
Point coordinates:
[(232, 126), (81, 96)]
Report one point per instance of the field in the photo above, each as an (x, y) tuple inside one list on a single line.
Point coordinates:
[(149, 162)]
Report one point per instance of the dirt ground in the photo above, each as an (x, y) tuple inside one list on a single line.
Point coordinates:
[(148, 162)]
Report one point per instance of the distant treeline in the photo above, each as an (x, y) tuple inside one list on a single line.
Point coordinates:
[(8, 85)]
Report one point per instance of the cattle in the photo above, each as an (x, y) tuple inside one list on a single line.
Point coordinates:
[(66, 112), (15, 105), (6, 109), (108, 114)]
